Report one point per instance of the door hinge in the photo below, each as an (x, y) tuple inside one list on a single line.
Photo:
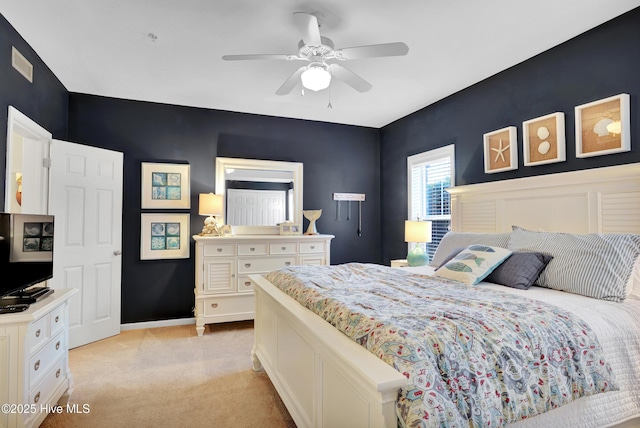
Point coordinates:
[(46, 162)]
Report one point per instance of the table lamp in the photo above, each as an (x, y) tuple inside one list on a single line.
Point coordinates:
[(417, 232), (210, 205)]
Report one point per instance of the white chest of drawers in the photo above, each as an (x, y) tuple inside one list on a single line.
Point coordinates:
[(34, 369), (223, 290)]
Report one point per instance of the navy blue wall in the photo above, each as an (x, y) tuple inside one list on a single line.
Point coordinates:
[(45, 100), (595, 65), (337, 158)]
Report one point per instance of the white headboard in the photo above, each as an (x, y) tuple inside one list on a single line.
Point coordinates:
[(600, 200)]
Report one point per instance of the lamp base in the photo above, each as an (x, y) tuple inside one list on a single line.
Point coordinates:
[(211, 227), (417, 257)]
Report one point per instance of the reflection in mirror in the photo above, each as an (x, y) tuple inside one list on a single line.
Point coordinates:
[(259, 194)]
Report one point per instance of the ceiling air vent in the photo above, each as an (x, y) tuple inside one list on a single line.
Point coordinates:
[(21, 64)]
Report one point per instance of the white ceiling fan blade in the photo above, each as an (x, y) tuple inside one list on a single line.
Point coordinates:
[(291, 82), (385, 49), (260, 56), (349, 77), (308, 26)]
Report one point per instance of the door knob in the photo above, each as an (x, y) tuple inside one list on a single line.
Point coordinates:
[(117, 252)]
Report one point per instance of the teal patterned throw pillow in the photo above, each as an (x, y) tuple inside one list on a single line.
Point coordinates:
[(473, 264)]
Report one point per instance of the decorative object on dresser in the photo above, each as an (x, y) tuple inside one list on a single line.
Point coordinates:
[(312, 216), (34, 369), (165, 185), (544, 140), (211, 205), (223, 291), (290, 229), (603, 127), (417, 232), (500, 150), (164, 236)]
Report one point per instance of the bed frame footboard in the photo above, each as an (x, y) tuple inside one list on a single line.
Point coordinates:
[(323, 377)]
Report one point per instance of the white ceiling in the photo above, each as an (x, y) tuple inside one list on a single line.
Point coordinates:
[(169, 51)]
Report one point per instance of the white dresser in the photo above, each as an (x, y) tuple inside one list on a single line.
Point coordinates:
[(223, 290), (34, 370)]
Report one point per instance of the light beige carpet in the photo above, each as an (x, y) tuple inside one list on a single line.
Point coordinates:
[(170, 377)]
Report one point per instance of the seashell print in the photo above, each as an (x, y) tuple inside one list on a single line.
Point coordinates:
[(544, 148), (458, 267)]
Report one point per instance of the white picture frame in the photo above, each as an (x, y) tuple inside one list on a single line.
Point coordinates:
[(603, 127), (290, 229), (165, 186), (543, 140), (501, 150), (32, 239), (164, 236)]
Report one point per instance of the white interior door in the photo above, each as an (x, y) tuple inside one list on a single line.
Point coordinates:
[(85, 196)]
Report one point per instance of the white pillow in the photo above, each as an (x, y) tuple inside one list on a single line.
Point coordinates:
[(633, 285), (473, 264)]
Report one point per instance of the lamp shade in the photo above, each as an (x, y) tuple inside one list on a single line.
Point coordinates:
[(210, 204), (315, 78), (417, 231)]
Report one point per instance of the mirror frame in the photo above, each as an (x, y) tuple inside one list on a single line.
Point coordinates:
[(296, 168)]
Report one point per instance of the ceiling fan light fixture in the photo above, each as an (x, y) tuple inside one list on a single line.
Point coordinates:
[(315, 78)]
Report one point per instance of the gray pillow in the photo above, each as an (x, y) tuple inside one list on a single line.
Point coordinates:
[(520, 270), (592, 265), (452, 240)]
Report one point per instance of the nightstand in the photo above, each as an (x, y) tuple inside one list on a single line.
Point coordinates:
[(399, 263)]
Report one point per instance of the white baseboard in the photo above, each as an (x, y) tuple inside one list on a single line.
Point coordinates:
[(156, 324)]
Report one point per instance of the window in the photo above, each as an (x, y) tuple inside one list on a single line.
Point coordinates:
[(429, 174)]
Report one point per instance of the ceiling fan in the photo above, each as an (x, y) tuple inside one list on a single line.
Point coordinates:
[(323, 58)]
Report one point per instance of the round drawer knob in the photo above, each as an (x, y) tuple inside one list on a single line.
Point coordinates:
[(37, 397), (38, 333), (313, 247), (57, 318), (58, 345), (252, 249), (247, 283), (36, 366), (214, 305), (287, 263), (58, 373), (219, 250), (247, 265), (283, 248)]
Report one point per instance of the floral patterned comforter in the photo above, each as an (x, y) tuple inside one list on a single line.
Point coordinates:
[(473, 356)]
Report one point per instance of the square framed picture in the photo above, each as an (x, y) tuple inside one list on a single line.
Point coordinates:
[(603, 127), (544, 140), (165, 185), (164, 236), (501, 150)]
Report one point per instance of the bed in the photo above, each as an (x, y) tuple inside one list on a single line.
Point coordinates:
[(327, 379)]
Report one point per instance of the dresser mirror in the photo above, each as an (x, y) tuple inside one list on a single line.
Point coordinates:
[(259, 194)]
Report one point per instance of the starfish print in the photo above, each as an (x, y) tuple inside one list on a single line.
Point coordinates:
[(500, 151)]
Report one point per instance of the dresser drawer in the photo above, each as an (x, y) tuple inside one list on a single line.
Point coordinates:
[(244, 284), (40, 363), (221, 249), (229, 305), (311, 247), (283, 248), (57, 320), (257, 265), (41, 393), (39, 332), (252, 249)]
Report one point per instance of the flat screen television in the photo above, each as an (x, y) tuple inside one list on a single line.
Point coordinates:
[(26, 251)]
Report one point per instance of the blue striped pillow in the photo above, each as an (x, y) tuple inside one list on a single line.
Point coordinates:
[(592, 265)]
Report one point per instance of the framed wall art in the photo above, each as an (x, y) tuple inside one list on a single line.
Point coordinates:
[(603, 127), (32, 238), (165, 185), (544, 140), (501, 150), (164, 236)]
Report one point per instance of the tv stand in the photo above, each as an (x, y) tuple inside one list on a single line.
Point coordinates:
[(34, 369)]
